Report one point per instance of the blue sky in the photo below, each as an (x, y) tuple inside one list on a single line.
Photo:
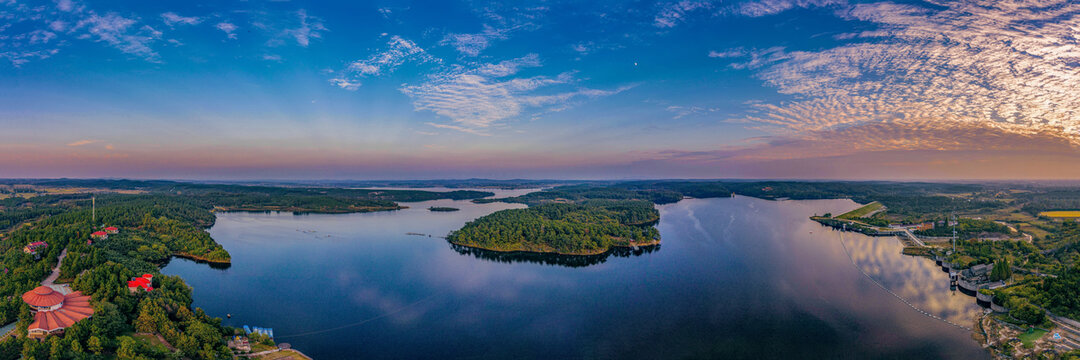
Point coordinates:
[(764, 88)]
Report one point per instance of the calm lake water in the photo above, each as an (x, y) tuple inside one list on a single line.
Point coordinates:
[(734, 278)]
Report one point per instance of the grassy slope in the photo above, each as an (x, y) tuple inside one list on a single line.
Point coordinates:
[(862, 211)]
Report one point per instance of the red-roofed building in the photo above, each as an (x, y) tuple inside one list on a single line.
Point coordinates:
[(112, 230), (54, 312), (99, 235), (145, 283), (32, 248)]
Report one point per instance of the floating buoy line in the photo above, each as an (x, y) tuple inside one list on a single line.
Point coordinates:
[(898, 297)]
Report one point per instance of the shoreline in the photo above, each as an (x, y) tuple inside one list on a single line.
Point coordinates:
[(299, 210), (552, 252), (202, 259)]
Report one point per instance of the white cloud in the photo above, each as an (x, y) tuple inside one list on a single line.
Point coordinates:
[(757, 58), (398, 51), (18, 58), (82, 142), (122, 33), (57, 25), (473, 44), (1011, 66), (228, 28), (731, 53), (346, 83), (770, 7), (65, 5), (459, 128), (504, 14), (479, 97), (171, 18), (74, 20), (671, 14), (310, 28), (684, 111), (583, 47), (35, 37)]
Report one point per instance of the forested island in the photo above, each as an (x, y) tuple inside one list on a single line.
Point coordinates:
[(442, 209), (587, 228)]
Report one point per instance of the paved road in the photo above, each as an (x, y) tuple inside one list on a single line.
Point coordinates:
[(259, 353), (51, 280), (297, 352), (6, 329)]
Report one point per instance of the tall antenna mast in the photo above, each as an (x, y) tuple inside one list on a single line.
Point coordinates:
[(93, 210), (953, 232)]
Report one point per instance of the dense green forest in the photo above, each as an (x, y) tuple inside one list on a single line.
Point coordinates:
[(171, 225), (591, 227), (1060, 295)]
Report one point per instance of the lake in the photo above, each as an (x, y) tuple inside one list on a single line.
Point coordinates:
[(733, 278)]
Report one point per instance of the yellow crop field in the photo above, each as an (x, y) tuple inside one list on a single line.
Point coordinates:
[(1061, 214)]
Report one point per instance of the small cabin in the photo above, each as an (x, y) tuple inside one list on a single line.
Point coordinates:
[(112, 230), (99, 235)]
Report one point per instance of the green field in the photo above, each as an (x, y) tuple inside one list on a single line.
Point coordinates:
[(1029, 337), (1061, 214), (862, 211)]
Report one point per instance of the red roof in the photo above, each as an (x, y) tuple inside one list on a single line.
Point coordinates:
[(43, 296), (99, 233), (37, 243), (142, 282), (76, 307), (111, 228)]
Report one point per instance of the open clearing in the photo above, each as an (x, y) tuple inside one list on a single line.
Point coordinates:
[(1029, 336), (1061, 214)]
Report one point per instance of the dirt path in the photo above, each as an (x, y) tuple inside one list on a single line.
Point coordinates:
[(160, 338)]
